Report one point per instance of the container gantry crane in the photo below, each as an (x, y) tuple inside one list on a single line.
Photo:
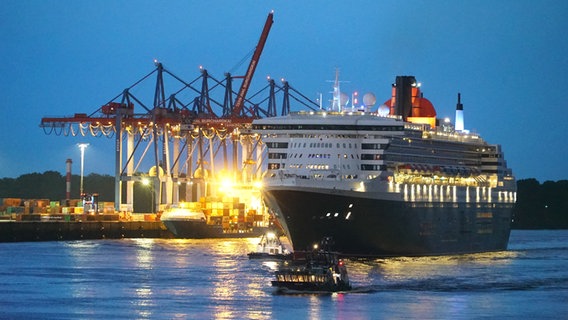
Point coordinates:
[(185, 138)]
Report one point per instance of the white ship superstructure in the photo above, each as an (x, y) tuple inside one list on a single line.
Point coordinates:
[(370, 153)]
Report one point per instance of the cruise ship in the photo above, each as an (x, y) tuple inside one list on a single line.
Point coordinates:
[(395, 182)]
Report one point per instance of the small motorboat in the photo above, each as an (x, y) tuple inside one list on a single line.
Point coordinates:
[(270, 247), (322, 271)]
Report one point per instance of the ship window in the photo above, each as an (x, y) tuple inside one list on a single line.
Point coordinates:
[(370, 146), (273, 166), (373, 167), (277, 155), (279, 145)]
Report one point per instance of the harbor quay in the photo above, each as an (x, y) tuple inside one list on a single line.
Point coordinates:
[(35, 221), (15, 231)]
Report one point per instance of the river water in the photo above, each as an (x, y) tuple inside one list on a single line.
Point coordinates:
[(214, 279)]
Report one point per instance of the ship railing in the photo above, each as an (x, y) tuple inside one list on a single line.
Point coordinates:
[(460, 181), (348, 112), (452, 136)]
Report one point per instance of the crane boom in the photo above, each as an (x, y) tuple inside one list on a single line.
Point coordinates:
[(239, 103)]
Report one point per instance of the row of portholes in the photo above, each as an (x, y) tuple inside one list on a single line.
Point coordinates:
[(317, 166), (324, 145), (319, 156)]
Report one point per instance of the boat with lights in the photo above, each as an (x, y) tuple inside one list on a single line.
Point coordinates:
[(320, 271), (394, 182), (214, 218), (270, 247)]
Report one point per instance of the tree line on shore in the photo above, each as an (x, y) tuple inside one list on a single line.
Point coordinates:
[(51, 185), (539, 205)]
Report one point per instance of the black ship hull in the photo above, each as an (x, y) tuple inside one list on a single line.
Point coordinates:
[(373, 227), (195, 229), (302, 287)]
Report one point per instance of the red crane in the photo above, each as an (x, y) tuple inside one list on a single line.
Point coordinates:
[(239, 102)]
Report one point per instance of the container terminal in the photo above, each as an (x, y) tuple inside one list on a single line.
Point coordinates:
[(88, 218), (188, 141)]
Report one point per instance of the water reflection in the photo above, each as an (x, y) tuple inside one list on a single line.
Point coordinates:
[(232, 279), (272, 265), (438, 273), (315, 304), (144, 254), (214, 279), (143, 289)]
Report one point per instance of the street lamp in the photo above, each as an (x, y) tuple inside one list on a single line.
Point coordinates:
[(82, 146)]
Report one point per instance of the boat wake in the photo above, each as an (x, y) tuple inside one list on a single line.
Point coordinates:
[(361, 289), (451, 284)]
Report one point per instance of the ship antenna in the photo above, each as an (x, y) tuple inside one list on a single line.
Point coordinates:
[(336, 101), (336, 105)]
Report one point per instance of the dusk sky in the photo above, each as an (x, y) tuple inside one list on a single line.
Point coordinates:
[(508, 59)]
